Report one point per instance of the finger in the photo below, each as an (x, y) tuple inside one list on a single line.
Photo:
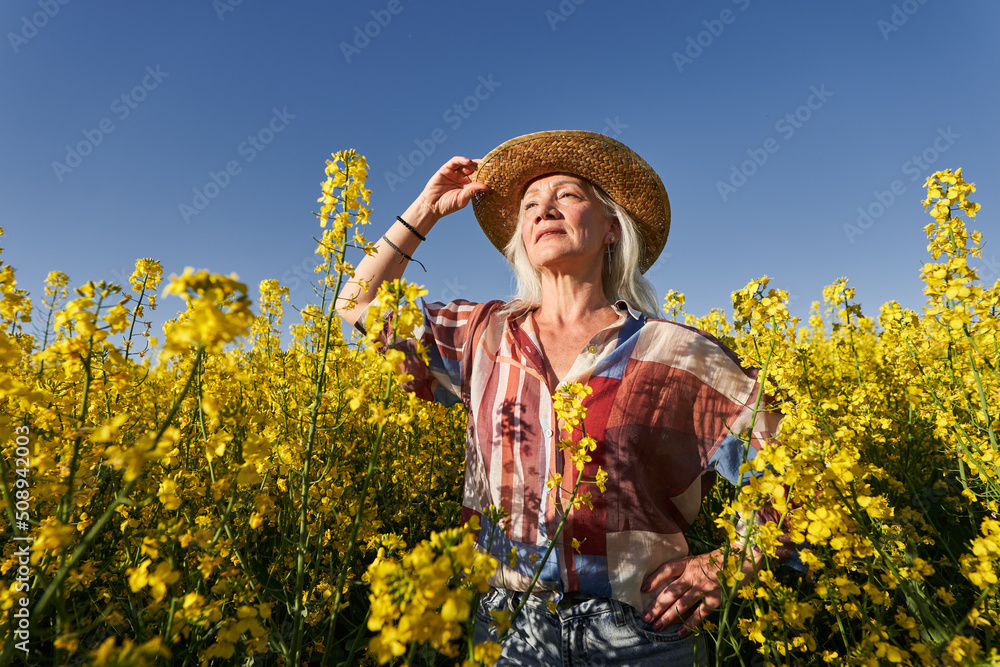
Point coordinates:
[(457, 161), (466, 169), (459, 169), (657, 607), (470, 191), (679, 611), (663, 575), (663, 601), (666, 579), (456, 169), (700, 613), (712, 600)]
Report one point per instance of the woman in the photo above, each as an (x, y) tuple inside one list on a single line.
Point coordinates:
[(580, 217)]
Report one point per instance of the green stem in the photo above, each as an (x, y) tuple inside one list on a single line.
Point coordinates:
[(726, 549), (138, 304), (983, 402), (122, 498), (297, 613), (552, 544), (66, 503), (369, 473)]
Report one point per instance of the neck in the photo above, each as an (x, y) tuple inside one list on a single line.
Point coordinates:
[(565, 300)]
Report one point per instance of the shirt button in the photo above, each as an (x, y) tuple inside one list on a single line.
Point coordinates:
[(548, 433), (592, 349)]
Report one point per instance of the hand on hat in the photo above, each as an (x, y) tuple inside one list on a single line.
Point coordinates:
[(451, 188)]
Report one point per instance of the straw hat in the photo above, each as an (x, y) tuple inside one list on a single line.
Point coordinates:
[(622, 174)]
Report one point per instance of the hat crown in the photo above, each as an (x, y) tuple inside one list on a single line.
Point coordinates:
[(603, 161)]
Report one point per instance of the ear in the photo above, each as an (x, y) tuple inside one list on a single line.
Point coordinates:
[(614, 232)]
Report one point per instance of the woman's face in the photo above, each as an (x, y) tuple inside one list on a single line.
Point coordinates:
[(564, 226)]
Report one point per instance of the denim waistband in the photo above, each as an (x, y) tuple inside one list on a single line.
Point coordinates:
[(571, 605)]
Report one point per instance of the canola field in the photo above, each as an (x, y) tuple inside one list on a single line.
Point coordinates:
[(215, 494)]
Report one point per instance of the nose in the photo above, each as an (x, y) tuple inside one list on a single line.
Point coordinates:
[(546, 209)]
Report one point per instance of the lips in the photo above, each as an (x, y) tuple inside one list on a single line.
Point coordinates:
[(547, 232)]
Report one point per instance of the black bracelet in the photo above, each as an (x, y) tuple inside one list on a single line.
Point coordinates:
[(407, 225), (403, 254)]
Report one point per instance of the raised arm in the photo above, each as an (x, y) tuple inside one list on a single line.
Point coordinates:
[(448, 190)]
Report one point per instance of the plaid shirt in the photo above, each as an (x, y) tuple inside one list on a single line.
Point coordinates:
[(667, 400)]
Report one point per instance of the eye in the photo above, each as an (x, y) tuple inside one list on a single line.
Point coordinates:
[(528, 205)]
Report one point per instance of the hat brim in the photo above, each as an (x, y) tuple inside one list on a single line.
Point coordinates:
[(613, 166)]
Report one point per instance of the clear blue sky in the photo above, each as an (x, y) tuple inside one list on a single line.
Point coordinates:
[(114, 113)]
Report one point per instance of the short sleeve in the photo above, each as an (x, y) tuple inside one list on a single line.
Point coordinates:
[(752, 423), (445, 334), (718, 397), (752, 416)]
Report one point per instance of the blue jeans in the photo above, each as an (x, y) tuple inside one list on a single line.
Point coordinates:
[(584, 631)]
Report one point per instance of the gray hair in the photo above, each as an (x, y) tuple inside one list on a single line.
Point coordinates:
[(623, 281)]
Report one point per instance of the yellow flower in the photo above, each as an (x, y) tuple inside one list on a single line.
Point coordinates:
[(601, 479), (674, 304), (168, 494), (218, 312), (138, 577)]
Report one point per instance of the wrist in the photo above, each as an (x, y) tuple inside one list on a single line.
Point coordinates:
[(422, 215), (413, 230)]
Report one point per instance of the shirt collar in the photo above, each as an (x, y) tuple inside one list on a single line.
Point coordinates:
[(624, 308), (626, 313)]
